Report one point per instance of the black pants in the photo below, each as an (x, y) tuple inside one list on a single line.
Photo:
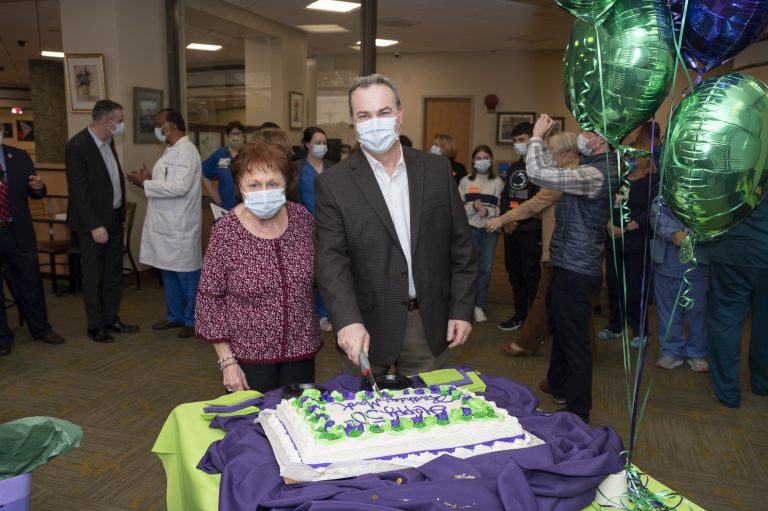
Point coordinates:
[(632, 266), (268, 377), (101, 270), (522, 259), (22, 269), (569, 306)]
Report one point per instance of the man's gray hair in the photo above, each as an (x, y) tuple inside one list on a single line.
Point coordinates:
[(104, 108), (376, 79)]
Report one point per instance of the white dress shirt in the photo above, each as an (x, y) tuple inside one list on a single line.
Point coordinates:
[(394, 188), (114, 174)]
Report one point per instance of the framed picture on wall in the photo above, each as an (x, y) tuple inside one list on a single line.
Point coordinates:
[(296, 110), (8, 130), (25, 131), (559, 125), (506, 122), (146, 104), (85, 81)]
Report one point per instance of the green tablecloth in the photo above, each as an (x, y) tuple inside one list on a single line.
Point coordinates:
[(184, 439)]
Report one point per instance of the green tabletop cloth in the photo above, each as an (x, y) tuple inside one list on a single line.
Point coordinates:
[(184, 439)]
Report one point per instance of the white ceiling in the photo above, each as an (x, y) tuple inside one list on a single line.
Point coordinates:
[(19, 22), (419, 25), (432, 25)]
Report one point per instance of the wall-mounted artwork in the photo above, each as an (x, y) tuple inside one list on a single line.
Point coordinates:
[(146, 104), (25, 131), (85, 81)]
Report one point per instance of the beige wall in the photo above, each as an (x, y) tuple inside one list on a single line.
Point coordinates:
[(131, 36)]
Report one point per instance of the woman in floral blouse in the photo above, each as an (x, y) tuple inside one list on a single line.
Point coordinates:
[(255, 302)]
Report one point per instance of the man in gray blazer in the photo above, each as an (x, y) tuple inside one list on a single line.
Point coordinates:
[(394, 256)]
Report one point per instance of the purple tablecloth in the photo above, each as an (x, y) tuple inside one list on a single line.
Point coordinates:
[(560, 475)]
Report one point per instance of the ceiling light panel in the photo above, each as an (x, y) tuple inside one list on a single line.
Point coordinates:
[(333, 6)]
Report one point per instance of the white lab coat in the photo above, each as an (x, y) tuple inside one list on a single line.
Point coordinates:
[(170, 239)]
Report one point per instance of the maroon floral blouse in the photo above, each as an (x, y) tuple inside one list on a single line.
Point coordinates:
[(256, 294)]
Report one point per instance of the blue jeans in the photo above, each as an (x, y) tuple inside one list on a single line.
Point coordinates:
[(676, 345), (485, 245), (180, 292)]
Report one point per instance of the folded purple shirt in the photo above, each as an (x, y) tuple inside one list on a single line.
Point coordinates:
[(560, 475)]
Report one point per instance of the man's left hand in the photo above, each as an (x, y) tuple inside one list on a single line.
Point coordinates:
[(458, 332), (36, 182)]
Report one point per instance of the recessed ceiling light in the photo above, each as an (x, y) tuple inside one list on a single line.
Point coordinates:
[(203, 47), (322, 29), (333, 6), (382, 43), (57, 54)]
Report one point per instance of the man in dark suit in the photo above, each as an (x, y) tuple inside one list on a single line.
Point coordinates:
[(394, 257), (96, 216), (18, 247)]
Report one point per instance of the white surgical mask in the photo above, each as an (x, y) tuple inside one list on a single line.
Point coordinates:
[(119, 129), (482, 166), (582, 142), (265, 203), (377, 135), (521, 148), (159, 133), (319, 151), (435, 149)]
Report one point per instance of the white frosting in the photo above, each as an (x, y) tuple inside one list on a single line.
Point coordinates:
[(400, 444)]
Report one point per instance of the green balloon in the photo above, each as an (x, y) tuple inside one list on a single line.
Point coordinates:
[(637, 54), (589, 11), (715, 160)]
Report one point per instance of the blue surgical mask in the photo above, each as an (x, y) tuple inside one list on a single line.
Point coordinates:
[(265, 204), (482, 166), (319, 151), (377, 135), (631, 164), (582, 142), (521, 148), (435, 149)]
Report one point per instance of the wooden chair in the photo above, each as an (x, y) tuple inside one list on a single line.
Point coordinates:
[(130, 213), (51, 247)]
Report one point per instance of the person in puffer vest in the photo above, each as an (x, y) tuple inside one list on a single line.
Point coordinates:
[(576, 253)]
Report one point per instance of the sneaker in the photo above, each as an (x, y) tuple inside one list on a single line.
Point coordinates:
[(668, 362), (635, 342), (513, 323), (480, 315), (544, 387), (699, 365), (607, 334), (326, 325)]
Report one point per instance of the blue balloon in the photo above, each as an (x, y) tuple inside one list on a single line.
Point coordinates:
[(717, 30)]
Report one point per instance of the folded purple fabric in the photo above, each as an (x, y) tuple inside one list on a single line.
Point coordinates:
[(560, 475), (239, 406)]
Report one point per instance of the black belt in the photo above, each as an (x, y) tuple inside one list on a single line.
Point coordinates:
[(411, 305), (6, 224)]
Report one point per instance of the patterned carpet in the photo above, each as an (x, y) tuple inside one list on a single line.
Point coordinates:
[(120, 394)]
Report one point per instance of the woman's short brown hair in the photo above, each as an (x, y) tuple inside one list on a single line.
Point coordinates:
[(447, 145), (258, 155)]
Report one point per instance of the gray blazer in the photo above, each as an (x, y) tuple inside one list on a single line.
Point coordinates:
[(360, 267)]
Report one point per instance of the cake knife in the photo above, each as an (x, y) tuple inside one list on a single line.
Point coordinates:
[(365, 367)]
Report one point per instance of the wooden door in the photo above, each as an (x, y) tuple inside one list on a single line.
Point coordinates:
[(452, 116)]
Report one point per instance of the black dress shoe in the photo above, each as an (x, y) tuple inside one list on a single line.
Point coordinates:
[(5, 350), (165, 325), (100, 335), (51, 338), (121, 328), (186, 331)]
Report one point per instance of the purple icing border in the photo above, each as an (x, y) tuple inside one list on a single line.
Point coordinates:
[(433, 451)]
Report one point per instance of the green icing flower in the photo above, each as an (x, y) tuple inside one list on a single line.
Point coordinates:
[(337, 396), (313, 393), (430, 420), (380, 428)]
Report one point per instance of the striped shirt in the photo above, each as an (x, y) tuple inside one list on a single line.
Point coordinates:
[(582, 180)]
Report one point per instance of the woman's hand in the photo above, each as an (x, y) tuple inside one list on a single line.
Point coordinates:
[(494, 224), (234, 378)]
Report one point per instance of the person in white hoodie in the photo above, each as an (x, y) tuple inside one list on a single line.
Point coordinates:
[(170, 240), (481, 192)]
